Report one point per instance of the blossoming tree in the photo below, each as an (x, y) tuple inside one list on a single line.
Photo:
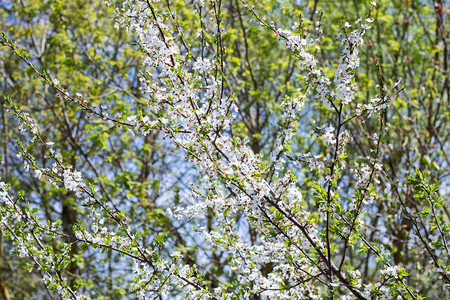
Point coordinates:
[(282, 165)]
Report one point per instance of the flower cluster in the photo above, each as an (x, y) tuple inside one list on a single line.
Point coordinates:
[(74, 182)]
